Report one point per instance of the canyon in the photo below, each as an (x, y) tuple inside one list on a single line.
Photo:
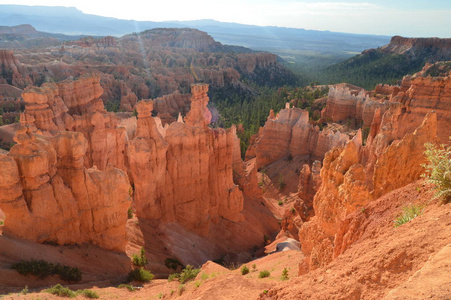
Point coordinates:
[(82, 183)]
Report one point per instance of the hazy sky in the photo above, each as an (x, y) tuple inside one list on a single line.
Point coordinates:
[(387, 17)]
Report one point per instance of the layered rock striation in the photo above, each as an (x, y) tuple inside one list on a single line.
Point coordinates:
[(290, 133), (49, 196), (184, 176), (76, 106), (354, 175), (418, 94)]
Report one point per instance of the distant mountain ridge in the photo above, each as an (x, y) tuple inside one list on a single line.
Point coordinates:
[(391, 62), (69, 20)]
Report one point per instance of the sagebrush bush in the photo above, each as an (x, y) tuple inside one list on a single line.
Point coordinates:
[(88, 294), (59, 290), (408, 213), (438, 170), (42, 269), (244, 270), (129, 287), (187, 274), (264, 273), (140, 275)]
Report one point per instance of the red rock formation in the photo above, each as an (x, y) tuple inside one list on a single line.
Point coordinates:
[(290, 133), (186, 175), (417, 95), (345, 102), (11, 67), (248, 62), (351, 178), (309, 183), (48, 196), (172, 105), (75, 106)]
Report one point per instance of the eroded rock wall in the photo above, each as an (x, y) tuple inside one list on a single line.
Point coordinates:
[(186, 175), (49, 196), (290, 133), (353, 175), (76, 106)]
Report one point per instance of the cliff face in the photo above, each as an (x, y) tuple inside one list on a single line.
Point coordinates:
[(182, 174), (186, 175), (344, 103), (290, 133), (48, 196), (400, 45), (11, 71), (169, 106), (352, 176), (417, 95), (76, 106)]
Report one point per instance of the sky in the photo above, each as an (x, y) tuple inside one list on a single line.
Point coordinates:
[(410, 18)]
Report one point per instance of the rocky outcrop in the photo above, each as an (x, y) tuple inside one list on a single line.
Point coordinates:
[(347, 102), (171, 105), (290, 133), (417, 95), (309, 183), (401, 45), (76, 106), (186, 175), (11, 71), (352, 176), (48, 196)]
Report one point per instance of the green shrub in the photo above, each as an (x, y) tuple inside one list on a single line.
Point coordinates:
[(59, 290), (42, 269), (244, 270), (263, 274), (280, 202), (25, 290), (285, 274), (408, 213), (88, 294), (140, 275), (1, 222), (129, 287), (141, 260), (438, 170), (188, 274), (173, 276), (130, 213)]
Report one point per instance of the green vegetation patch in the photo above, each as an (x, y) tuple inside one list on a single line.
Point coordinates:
[(140, 275), (59, 290), (244, 270), (42, 269), (264, 274), (187, 274), (438, 170), (408, 213)]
